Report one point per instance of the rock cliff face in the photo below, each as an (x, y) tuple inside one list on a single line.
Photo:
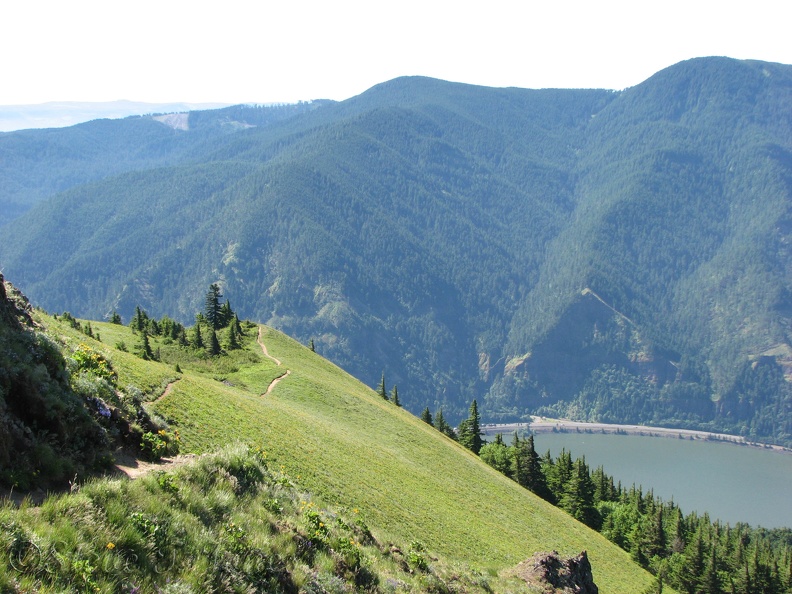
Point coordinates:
[(14, 307), (552, 574)]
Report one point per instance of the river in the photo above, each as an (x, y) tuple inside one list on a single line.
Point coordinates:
[(733, 483)]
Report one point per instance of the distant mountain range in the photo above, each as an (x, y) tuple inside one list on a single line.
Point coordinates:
[(58, 114), (613, 256)]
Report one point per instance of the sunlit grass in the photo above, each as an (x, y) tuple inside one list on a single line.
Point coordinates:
[(350, 448)]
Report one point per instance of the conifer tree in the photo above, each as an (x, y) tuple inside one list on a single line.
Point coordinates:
[(426, 417), (212, 308), (213, 348), (312, 346), (226, 314), (710, 581), (442, 426), (578, 497), (381, 388), (197, 339), (395, 396), (470, 430), (233, 340), (527, 467), (115, 318), (145, 347), (519, 469), (138, 322)]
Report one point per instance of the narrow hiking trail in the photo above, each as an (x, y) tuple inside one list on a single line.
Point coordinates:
[(166, 391), (275, 382), (264, 349), (282, 376), (134, 467)]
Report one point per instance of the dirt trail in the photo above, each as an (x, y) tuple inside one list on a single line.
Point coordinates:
[(168, 390), (274, 382), (135, 468), (264, 349), (282, 376)]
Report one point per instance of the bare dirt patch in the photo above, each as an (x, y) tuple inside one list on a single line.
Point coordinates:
[(134, 468)]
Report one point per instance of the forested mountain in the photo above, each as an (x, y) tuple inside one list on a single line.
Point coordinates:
[(618, 256), (35, 164)]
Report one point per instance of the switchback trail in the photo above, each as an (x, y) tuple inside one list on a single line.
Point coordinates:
[(274, 382), (264, 349), (284, 375)]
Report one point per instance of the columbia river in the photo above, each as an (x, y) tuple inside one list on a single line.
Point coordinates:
[(731, 482)]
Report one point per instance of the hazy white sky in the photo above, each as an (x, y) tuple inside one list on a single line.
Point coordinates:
[(265, 51)]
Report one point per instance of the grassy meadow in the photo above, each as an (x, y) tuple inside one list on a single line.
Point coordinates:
[(333, 437)]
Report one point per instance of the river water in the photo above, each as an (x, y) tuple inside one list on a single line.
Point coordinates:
[(732, 483)]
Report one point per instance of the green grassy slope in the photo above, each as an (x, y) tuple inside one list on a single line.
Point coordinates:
[(343, 443)]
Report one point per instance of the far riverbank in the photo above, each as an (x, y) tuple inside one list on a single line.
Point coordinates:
[(546, 425)]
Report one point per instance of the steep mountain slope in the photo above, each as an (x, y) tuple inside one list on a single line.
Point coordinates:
[(334, 437), (340, 232), (684, 230), (547, 248)]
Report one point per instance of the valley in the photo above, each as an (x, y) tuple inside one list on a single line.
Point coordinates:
[(604, 256), (498, 258)]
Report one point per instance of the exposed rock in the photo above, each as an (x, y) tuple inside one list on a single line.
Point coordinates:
[(552, 574), (15, 309)]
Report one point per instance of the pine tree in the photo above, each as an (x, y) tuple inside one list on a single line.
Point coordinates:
[(381, 388), (212, 309), (518, 470), (226, 314), (115, 318), (442, 426), (426, 417), (578, 497), (710, 583), (139, 320), (197, 340), (312, 346), (145, 347), (213, 348), (395, 396), (233, 340), (534, 475), (470, 430)]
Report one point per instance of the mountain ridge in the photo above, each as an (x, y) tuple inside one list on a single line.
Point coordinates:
[(424, 226)]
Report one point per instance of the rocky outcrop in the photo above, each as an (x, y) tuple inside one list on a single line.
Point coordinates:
[(552, 574)]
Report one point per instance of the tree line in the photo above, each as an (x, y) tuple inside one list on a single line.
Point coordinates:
[(202, 337), (690, 553)]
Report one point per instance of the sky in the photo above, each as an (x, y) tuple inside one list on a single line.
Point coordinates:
[(260, 51)]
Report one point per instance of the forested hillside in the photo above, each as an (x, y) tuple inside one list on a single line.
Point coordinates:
[(616, 256), (35, 164)]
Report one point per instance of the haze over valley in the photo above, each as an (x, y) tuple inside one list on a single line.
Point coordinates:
[(286, 324)]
